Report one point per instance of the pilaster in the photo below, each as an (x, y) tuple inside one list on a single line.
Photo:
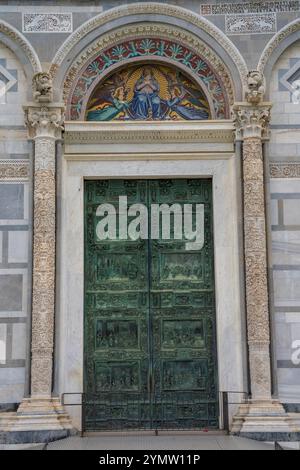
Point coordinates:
[(42, 416), (261, 417)]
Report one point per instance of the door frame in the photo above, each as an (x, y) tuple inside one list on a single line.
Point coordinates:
[(141, 151)]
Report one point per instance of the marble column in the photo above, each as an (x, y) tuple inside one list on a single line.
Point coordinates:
[(41, 416), (251, 124), (261, 416), (45, 125)]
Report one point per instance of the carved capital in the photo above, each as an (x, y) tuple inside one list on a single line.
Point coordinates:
[(44, 121), (251, 121)]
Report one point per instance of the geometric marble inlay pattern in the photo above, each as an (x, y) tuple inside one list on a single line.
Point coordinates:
[(8, 79)]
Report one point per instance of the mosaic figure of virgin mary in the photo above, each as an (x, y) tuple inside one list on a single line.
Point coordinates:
[(146, 101), (147, 93)]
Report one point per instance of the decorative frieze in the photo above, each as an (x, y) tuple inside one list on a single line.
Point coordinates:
[(285, 170), (47, 23), (251, 24), (14, 170), (249, 7)]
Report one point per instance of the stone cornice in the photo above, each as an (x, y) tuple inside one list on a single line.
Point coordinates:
[(142, 132)]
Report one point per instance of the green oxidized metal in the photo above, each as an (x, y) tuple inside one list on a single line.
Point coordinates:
[(150, 341)]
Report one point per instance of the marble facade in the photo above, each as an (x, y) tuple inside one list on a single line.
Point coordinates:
[(251, 150)]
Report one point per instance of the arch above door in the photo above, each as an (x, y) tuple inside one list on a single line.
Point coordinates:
[(144, 43)]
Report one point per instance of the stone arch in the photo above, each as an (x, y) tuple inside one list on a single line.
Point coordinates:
[(18, 44), (288, 35), (78, 45), (170, 45)]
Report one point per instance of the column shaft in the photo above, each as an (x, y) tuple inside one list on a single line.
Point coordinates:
[(43, 288), (257, 301)]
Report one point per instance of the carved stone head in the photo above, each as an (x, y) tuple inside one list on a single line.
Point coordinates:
[(42, 87), (256, 88)]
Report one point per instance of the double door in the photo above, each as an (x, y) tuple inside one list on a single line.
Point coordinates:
[(150, 352)]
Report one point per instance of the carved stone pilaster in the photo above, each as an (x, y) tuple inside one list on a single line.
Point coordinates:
[(261, 414), (251, 127), (45, 125), (41, 417)]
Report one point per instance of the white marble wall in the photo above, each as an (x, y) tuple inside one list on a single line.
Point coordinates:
[(285, 213), (14, 226)]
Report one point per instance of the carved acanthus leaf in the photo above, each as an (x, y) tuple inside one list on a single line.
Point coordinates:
[(251, 121), (44, 121)]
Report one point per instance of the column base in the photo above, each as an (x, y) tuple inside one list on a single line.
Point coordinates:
[(38, 419), (265, 420)]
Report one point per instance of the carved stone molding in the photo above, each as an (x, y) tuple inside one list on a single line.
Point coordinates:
[(286, 31), (143, 132), (56, 22), (14, 170), (22, 43), (251, 121), (284, 170), (197, 51), (148, 9)]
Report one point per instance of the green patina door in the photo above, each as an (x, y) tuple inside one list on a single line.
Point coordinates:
[(150, 352)]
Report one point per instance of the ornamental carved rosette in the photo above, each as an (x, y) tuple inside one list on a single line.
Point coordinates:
[(45, 124)]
